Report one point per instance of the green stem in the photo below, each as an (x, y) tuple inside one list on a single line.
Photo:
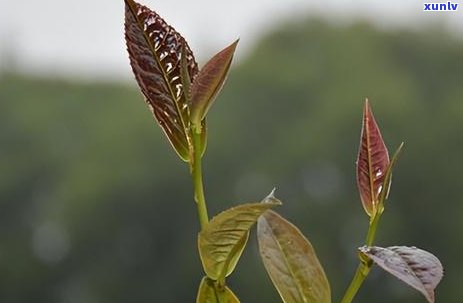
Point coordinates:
[(197, 175), (362, 272), (372, 229), (364, 266)]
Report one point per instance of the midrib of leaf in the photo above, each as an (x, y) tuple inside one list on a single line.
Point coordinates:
[(370, 165), (233, 251), (410, 269), (296, 280), (184, 74), (216, 295), (164, 73)]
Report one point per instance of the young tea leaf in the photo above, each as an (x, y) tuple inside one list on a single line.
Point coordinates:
[(291, 262), (208, 83), (155, 52), (222, 241), (388, 177), (209, 292), (416, 267), (372, 162)]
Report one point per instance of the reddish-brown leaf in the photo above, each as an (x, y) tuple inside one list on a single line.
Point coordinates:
[(155, 52), (209, 82), (372, 161)]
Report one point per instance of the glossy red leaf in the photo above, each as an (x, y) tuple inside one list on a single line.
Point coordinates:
[(156, 51), (372, 162), (416, 267), (209, 82)]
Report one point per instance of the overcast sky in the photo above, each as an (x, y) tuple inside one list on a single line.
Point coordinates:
[(85, 37)]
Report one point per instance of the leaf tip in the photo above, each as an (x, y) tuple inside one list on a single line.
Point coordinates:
[(272, 193), (131, 3), (235, 44), (208, 83), (271, 198), (401, 145), (367, 111)]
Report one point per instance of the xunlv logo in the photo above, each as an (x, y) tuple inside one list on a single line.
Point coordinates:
[(449, 6)]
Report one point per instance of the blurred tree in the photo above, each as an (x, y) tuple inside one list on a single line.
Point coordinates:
[(96, 208)]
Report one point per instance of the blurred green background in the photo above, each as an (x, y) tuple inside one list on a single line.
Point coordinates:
[(95, 207)]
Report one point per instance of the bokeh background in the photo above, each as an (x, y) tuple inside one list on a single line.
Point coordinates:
[(95, 207)]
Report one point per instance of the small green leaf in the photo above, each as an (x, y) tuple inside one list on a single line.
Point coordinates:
[(207, 84), (385, 187), (222, 241), (291, 262), (416, 267), (210, 292), (372, 162)]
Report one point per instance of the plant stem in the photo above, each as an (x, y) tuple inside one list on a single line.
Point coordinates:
[(362, 271), (197, 175), (372, 229), (364, 266)]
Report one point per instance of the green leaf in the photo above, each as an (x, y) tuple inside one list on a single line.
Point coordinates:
[(372, 162), (210, 292), (388, 177), (416, 267), (291, 262), (207, 84), (222, 241), (155, 52)]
